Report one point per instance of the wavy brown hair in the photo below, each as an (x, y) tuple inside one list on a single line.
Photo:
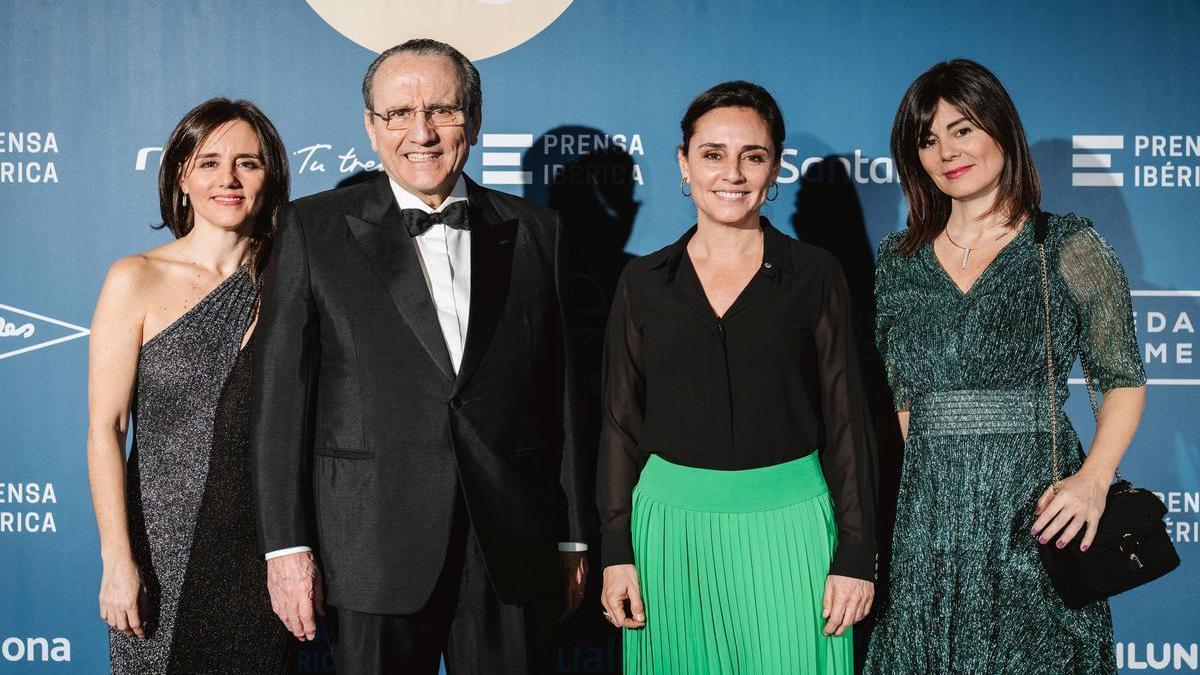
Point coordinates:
[(980, 97), (190, 134)]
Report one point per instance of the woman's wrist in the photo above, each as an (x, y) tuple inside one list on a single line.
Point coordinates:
[(118, 556), (1098, 474)]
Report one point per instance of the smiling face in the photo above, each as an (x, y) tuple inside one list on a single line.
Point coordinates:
[(730, 165), (425, 160), (963, 161), (224, 178)]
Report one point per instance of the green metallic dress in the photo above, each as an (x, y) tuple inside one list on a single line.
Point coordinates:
[(968, 591)]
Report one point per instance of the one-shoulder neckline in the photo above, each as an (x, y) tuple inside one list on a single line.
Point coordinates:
[(240, 271)]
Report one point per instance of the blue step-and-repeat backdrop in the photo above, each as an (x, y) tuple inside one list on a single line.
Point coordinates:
[(581, 108)]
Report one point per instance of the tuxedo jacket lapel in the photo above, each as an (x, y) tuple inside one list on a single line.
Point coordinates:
[(392, 255), (492, 242)]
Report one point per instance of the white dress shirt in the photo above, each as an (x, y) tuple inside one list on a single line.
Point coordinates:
[(445, 255)]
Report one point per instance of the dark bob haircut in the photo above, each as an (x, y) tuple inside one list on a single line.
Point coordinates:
[(980, 97), (468, 74), (189, 135), (736, 94)]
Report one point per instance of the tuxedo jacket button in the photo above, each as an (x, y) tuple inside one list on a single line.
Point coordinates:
[(455, 403)]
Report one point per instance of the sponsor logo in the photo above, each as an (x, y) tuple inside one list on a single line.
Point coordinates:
[(1092, 160), (601, 657), (502, 159), (1163, 656), (22, 520), (315, 158), (143, 157), (23, 331), (312, 158), (35, 649), (853, 167), (562, 157), (478, 28), (1166, 326), (1159, 160), (1183, 508), (506, 160), (22, 157)]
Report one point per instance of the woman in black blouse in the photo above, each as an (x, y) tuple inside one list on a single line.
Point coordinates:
[(736, 477)]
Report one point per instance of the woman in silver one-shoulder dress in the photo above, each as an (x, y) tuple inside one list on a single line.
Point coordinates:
[(184, 584)]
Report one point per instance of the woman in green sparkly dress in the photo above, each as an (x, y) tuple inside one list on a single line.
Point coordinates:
[(960, 326)]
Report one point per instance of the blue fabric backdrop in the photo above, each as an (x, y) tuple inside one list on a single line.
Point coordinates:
[(89, 91)]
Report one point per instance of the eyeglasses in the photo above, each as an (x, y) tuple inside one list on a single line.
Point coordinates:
[(399, 119)]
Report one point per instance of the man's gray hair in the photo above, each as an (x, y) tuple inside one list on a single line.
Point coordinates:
[(472, 92)]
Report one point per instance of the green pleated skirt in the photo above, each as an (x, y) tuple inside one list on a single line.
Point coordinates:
[(732, 566)]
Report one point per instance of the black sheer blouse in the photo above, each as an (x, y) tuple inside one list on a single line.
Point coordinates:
[(775, 379)]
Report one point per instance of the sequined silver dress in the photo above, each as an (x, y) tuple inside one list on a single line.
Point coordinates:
[(190, 503)]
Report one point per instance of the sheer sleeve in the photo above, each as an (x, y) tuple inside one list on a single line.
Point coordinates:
[(886, 310), (848, 458), (1097, 283), (623, 401)]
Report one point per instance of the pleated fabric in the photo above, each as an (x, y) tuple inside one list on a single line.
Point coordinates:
[(732, 566)]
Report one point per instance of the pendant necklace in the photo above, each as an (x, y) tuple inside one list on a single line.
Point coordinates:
[(967, 251)]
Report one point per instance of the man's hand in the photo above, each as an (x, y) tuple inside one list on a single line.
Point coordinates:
[(575, 570), (295, 586)]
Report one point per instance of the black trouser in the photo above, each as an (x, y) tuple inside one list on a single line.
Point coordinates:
[(463, 619)]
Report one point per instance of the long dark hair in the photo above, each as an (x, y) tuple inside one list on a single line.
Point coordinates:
[(980, 97), (189, 135)]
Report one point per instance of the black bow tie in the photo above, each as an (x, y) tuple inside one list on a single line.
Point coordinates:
[(417, 221)]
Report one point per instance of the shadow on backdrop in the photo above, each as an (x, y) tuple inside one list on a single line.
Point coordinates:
[(360, 176), (829, 215), (1103, 205), (593, 191)]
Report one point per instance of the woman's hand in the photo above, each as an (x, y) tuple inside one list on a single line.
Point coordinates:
[(123, 597), (1078, 503), (621, 584), (847, 600)]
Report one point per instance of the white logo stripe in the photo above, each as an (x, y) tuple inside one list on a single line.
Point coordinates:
[(1097, 180), (508, 177), (1097, 142), (502, 159), (51, 343), (1165, 294), (508, 140), (56, 322), (1091, 161)]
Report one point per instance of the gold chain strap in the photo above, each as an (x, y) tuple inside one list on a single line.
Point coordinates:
[(1050, 386), (1050, 373)]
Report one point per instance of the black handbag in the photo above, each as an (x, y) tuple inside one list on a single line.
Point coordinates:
[(1132, 545)]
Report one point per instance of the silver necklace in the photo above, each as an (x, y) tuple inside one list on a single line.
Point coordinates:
[(967, 251)]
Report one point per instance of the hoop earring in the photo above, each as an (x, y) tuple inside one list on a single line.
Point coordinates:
[(683, 182), (769, 197)]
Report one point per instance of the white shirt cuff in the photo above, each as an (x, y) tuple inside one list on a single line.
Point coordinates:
[(572, 547), (287, 551)]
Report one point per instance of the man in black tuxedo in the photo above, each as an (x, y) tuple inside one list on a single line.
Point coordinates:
[(414, 390)]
